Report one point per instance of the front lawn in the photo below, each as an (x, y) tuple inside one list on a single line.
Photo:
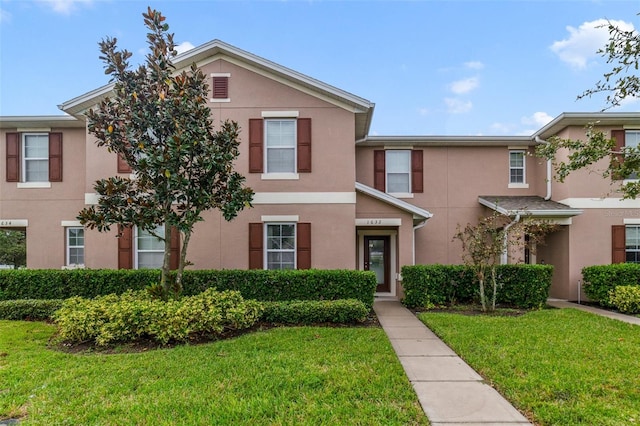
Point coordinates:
[(560, 366), (283, 376)]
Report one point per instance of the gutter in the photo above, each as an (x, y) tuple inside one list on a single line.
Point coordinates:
[(413, 251), (548, 196)]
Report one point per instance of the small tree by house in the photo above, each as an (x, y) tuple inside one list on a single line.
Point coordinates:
[(158, 121), (484, 243), (13, 248)]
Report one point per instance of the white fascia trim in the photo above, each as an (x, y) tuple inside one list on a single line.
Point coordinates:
[(280, 218), (280, 114), (11, 223), (601, 203), (389, 199), (70, 223), (304, 198), (555, 213), (34, 184)]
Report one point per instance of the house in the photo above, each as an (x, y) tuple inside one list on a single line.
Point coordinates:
[(327, 194)]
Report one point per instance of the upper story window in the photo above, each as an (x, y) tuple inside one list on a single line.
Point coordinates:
[(75, 246), (517, 167), (34, 159), (398, 167), (280, 142), (398, 171), (280, 145)]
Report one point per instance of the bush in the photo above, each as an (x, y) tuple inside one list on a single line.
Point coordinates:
[(626, 298), (133, 315), (29, 309), (600, 280), (252, 284), (305, 312), (521, 286)]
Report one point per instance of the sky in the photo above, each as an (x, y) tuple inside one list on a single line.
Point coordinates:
[(453, 67)]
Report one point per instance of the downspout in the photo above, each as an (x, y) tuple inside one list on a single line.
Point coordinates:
[(505, 254), (548, 196), (413, 251)]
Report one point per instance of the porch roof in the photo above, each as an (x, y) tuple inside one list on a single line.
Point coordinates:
[(419, 214), (527, 205)]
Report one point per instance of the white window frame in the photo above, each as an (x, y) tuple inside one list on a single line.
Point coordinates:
[(524, 183), (294, 146), (636, 249), (69, 246), (24, 159), (266, 244), (137, 251), (408, 193)]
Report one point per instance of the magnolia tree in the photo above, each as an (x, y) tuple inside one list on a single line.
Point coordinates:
[(158, 121), (620, 84), (485, 243)]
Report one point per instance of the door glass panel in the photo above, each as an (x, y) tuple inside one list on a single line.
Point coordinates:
[(376, 258)]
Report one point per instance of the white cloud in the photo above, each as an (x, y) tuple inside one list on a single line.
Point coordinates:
[(464, 86), (539, 119), (474, 65), (64, 7), (458, 106), (501, 128), (4, 16), (424, 112), (184, 46), (583, 42)]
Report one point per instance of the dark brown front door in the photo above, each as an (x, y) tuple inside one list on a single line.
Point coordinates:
[(377, 259)]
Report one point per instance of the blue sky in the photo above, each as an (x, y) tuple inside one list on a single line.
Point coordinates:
[(431, 67)]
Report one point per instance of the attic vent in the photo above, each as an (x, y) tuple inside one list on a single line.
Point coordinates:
[(220, 87)]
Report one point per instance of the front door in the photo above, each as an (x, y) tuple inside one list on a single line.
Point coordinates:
[(377, 259)]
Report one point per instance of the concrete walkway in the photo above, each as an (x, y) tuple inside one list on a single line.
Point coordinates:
[(451, 393), (557, 303)]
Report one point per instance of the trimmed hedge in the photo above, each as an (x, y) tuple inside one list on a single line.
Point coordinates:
[(600, 280), (521, 286), (305, 312), (134, 314), (29, 309), (626, 298), (260, 285)]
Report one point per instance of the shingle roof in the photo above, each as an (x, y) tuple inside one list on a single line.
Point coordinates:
[(529, 205)]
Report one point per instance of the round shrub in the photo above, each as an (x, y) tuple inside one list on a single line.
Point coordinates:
[(626, 298)]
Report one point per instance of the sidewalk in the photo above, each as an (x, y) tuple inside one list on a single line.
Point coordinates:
[(451, 393), (557, 303)]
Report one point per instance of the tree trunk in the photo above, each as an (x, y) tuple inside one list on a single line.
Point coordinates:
[(164, 277), (483, 299), (494, 283), (183, 259)]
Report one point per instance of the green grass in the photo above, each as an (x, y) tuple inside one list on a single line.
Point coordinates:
[(560, 367), (284, 376)]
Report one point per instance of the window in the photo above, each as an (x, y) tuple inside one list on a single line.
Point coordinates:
[(35, 154), (632, 243), (281, 245), (280, 142), (75, 246), (517, 167), (279, 145), (398, 171), (33, 159), (149, 248), (398, 166)]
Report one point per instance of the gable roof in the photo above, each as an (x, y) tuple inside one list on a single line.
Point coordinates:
[(567, 119), (527, 205), (362, 108)]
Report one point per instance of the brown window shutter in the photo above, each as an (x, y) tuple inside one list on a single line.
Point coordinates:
[(220, 87), (55, 157), (123, 166), (256, 145), (619, 137), (125, 247), (416, 171), (379, 175), (304, 145), (256, 255), (303, 245), (618, 244), (13, 157), (174, 257)]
